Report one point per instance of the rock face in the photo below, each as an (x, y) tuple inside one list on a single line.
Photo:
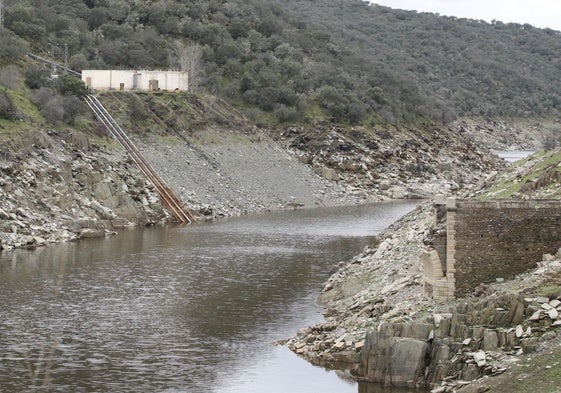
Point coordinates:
[(472, 339), (394, 163), (391, 360)]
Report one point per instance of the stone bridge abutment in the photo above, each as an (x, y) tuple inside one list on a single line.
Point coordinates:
[(478, 242)]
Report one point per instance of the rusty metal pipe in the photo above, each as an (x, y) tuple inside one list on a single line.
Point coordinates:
[(169, 199)]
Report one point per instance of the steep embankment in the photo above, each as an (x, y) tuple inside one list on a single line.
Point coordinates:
[(393, 162), (216, 158), (538, 177), (66, 184), (60, 186)]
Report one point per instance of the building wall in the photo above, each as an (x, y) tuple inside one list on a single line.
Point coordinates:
[(127, 79), (490, 240)]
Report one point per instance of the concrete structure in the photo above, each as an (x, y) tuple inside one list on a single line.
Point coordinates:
[(135, 80), (477, 242)]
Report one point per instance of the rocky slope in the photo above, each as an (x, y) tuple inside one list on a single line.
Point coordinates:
[(413, 162), (537, 176), (505, 134), (381, 326), (66, 185), (60, 186)]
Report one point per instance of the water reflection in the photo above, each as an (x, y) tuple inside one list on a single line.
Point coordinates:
[(178, 309)]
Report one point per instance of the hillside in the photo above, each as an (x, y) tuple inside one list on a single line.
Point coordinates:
[(301, 61), (465, 66)]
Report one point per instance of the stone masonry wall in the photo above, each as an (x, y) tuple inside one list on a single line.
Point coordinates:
[(500, 239)]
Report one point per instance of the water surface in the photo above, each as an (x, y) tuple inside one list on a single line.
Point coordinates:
[(179, 309), (513, 155)]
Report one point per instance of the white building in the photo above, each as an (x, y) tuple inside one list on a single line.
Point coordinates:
[(135, 80)]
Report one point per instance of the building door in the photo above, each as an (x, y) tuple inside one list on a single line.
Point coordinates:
[(135, 80), (153, 84)]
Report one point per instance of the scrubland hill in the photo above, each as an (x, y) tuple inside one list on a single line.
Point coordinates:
[(300, 61)]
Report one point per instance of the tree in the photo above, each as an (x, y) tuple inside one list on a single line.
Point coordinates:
[(37, 76), (78, 62), (69, 85), (7, 108), (12, 47), (188, 58)]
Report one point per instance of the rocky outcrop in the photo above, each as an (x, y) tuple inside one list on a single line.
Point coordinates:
[(504, 134), (393, 162), (392, 358), (59, 187), (472, 339), (453, 346)]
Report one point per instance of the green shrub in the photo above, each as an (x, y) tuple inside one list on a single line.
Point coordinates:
[(7, 108), (12, 47), (136, 109), (37, 76), (68, 85)]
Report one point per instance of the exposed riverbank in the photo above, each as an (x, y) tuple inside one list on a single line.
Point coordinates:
[(385, 329), (66, 185), (376, 302), (69, 184)]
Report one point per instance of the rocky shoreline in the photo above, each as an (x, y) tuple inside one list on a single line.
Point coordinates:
[(59, 187), (66, 185), (382, 327)]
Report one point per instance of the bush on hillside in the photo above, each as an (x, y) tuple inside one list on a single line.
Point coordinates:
[(9, 77), (7, 108), (69, 85), (37, 76), (136, 110), (12, 48), (72, 107)]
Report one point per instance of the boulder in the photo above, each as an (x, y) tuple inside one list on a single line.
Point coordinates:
[(407, 360), (479, 358), (87, 233)]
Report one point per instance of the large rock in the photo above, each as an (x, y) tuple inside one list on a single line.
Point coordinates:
[(407, 361), (393, 360)]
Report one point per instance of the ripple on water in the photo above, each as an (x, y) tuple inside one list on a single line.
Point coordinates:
[(178, 309)]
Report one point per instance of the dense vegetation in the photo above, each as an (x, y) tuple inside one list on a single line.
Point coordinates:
[(295, 60)]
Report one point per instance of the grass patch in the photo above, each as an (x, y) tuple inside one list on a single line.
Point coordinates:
[(502, 190), (552, 292), (544, 162)]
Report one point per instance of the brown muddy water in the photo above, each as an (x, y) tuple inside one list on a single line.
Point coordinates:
[(179, 309)]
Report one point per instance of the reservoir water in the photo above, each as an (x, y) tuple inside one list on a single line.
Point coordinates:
[(179, 309), (513, 155)]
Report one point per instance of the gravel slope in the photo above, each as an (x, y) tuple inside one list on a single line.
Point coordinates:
[(242, 177)]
